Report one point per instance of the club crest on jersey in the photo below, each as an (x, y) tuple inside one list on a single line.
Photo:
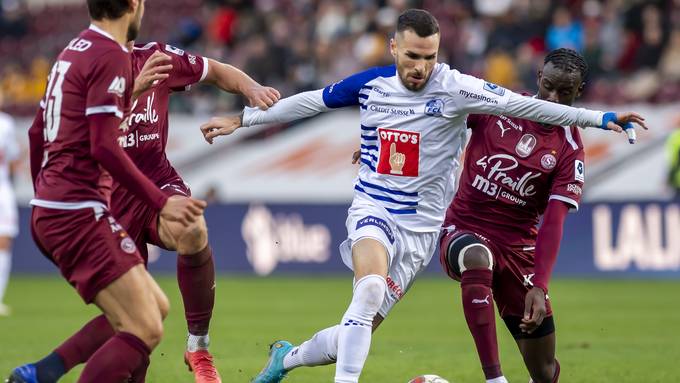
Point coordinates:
[(434, 107), (493, 88), (525, 145), (128, 245), (548, 161)]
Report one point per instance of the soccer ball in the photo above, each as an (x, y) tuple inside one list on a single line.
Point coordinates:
[(428, 379)]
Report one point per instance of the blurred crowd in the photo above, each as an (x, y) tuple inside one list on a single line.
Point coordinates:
[(632, 47)]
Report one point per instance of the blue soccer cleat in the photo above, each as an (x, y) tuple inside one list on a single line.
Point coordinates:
[(274, 372), (23, 374)]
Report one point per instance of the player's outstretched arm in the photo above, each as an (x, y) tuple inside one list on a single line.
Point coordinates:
[(547, 247), (301, 105), (233, 80), (105, 149), (558, 114), (307, 104)]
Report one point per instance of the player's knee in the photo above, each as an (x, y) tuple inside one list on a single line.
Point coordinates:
[(369, 293), (193, 238), (477, 257), (163, 306), (544, 373)]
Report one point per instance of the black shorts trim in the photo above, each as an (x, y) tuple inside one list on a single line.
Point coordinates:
[(513, 322)]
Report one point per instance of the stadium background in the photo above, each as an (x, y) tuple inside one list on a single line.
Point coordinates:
[(279, 193)]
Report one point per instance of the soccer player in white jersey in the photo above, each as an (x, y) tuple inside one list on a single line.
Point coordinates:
[(413, 118), (9, 153)]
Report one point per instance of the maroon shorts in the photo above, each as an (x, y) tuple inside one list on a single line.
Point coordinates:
[(513, 269), (141, 220), (88, 246)]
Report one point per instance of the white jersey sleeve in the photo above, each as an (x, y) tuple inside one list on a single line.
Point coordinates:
[(474, 95), (346, 92)]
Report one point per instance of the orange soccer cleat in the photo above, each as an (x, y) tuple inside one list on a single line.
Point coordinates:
[(201, 364)]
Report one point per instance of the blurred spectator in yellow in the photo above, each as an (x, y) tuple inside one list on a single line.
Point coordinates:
[(673, 153)]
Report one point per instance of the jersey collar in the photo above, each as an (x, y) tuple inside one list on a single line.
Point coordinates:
[(104, 33)]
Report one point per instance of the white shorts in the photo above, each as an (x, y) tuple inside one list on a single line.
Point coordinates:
[(409, 252), (9, 225)]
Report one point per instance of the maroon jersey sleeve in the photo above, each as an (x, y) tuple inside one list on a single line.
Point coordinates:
[(35, 144), (567, 185), (187, 68), (109, 86)]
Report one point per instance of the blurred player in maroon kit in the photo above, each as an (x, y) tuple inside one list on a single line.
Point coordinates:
[(161, 70), (515, 171), (74, 155)]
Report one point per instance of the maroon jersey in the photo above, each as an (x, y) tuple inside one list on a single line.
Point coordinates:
[(92, 75), (146, 138), (513, 167)]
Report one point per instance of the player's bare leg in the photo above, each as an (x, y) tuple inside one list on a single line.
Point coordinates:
[(474, 262), (196, 279), (539, 357), (135, 307), (5, 267), (346, 343)]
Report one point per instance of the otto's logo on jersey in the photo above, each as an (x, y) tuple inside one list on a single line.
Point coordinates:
[(79, 45), (434, 107), (117, 86), (579, 171), (548, 161), (525, 145), (399, 152)]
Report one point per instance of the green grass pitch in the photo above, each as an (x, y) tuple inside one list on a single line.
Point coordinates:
[(608, 331)]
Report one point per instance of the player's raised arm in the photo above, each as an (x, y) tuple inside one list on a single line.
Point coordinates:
[(233, 80), (474, 95), (302, 105)]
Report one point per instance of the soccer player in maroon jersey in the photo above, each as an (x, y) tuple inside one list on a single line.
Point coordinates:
[(515, 172), (74, 156)]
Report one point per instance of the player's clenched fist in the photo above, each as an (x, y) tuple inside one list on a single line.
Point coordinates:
[(261, 97), (184, 210), (220, 126), (155, 69)]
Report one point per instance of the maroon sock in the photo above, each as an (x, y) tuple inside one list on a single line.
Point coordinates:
[(80, 346), (196, 278), (121, 358), (479, 314), (556, 377)]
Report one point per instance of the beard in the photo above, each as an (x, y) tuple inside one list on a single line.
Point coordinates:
[(132, 32)]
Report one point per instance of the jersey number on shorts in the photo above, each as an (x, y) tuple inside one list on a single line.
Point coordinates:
[(53, 98)]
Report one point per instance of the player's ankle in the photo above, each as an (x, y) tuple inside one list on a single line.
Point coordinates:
[(197, 342)]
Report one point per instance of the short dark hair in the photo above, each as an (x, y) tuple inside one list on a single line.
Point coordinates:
[(107, 9), (419, 21), (568, 60)]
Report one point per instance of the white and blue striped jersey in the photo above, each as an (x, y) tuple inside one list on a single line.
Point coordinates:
[(411, 142)]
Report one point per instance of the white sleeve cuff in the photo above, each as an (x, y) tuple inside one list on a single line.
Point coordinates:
[(206, 66), (104, 109), (564, 199)]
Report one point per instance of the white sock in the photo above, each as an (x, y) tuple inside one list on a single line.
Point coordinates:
[(354, 336), (5, 267), (322, 349), (500, 379), (197, 342)]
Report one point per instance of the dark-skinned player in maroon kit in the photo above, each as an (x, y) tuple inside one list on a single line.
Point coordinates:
[(74, 156), (515, 172)]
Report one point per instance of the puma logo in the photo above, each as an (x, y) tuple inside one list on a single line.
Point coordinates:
[(485, 300), (503, 129)]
